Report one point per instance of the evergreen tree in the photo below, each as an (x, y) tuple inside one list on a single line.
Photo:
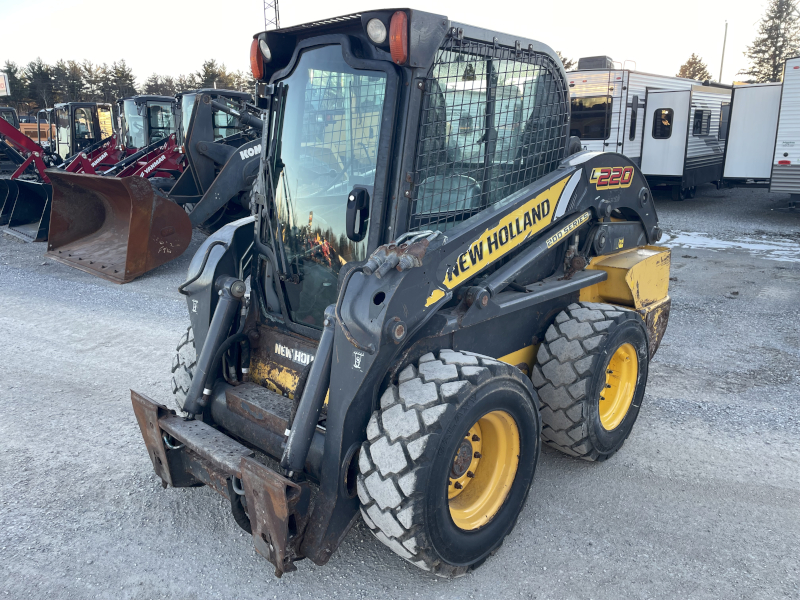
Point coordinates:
[(694, 68), (567, 62), (168, 87), (40, 82), (68, 82), (152, 85), (92, 80), (210, 75), (778, 38), (123, 83), (186, 83)]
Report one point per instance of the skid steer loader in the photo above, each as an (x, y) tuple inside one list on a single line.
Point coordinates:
[(121, 227), (82, 129), (428, 287)]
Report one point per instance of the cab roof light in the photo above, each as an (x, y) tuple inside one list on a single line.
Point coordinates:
[(376, 31), (398, 37), (256, 61)]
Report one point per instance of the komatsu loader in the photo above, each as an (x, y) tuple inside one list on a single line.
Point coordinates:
[(429, 287)]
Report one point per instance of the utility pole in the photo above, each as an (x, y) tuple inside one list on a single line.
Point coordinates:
[(724, 41), (271, 15)]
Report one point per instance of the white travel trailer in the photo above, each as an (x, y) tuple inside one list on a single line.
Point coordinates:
[(752, 126), (669, 126), (786, 157)]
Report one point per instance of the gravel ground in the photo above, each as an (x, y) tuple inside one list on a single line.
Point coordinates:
[(702, 502)]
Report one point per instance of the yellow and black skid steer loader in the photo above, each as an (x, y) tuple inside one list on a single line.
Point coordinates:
[(429, 286)]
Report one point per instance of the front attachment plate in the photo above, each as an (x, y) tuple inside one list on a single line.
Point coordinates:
[(278, 510)]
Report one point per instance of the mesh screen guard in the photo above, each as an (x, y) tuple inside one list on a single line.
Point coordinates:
[(493, 120)]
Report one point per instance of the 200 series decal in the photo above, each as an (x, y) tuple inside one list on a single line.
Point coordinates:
[(512, 230), (611, 178)]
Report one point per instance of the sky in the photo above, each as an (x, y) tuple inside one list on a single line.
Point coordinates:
[(173, 37)]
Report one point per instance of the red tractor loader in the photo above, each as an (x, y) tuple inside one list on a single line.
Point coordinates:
[(121, 227), (82, 128)]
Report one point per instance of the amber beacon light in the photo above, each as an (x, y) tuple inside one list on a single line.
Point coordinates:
[(398, 37), (256, 61)]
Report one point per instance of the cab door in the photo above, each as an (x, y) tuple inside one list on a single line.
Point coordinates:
[(666, 129)]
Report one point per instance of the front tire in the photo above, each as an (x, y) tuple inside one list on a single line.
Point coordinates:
[(449, 460), (591, 377), (183, 365)]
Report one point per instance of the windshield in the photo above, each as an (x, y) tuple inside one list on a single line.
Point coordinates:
[(187, 105), (161, 119), (10, 116), (133, 134), (224, 124), (330, 139)]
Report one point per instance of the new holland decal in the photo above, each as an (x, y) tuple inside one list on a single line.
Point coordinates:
[(611, 178), (512, 230)]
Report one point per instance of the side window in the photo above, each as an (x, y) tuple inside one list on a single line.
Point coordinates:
[(489, 125), (724, 116), (591, 117), (63, 132), (662, 123), (702, 122), (162, 123), (634, 110)]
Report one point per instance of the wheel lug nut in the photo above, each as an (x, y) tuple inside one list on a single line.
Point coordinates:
[(449, 482), (457, 485), (475, 438), (608, 385), (609, 371), (470, 474), (477, 455)]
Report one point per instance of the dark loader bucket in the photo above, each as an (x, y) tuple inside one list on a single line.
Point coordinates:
[(117, 228), (8, 195), (29, 218)]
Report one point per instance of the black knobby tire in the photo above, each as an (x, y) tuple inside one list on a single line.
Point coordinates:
[(406, 462), (678, 193), (571, 377), (183, 366)]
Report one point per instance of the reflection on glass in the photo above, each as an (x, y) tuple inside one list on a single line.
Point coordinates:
[(330, 144), (133, 132), (106, 121)]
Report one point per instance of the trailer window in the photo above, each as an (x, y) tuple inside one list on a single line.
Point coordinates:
[(724, 116), (662, 123), (702, 122), (634, 109), (591, 117), (492, 121)]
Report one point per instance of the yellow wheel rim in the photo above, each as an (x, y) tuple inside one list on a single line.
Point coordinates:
[(483, 470), (621, 376)]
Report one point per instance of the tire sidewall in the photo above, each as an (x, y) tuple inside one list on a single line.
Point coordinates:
[(454, 545), (630, 331)]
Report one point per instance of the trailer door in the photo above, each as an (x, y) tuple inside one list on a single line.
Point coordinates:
[(666, 126), (786, 160)]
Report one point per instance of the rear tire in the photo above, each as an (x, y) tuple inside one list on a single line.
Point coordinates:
[(591, 374), (183, 366), (678, 193), (422, 442)]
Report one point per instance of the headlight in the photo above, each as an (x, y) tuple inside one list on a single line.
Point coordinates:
[(376, 31), (262, 44)]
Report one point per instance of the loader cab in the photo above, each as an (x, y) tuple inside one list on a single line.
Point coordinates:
[(477, 122), (224, 125), (78, 125), (9, 115), (144, 120)]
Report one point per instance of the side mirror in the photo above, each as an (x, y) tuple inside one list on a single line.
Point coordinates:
[(357, 213)]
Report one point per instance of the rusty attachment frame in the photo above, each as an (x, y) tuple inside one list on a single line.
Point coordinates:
[(277, 507)]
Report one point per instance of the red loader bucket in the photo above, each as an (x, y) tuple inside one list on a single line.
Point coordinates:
[(117, 228)]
